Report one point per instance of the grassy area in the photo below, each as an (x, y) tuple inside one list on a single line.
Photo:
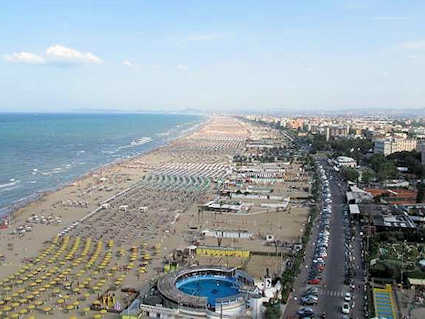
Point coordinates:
[(394, 259)]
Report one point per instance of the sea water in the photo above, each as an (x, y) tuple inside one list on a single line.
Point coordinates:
[(41, 152)]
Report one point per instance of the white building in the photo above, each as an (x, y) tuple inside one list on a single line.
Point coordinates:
[(388, 146), (344, 161)]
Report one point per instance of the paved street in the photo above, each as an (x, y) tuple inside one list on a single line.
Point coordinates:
[(332, 289)]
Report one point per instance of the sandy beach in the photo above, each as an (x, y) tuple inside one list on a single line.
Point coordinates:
[(116, 219)]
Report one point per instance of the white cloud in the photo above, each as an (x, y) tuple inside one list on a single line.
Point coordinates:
[(54, 54), (414, 45), (182, 67), (24, 57), (127, 63), (59, 53)]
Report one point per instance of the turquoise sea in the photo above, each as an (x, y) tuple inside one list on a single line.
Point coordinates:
[(41, 152)]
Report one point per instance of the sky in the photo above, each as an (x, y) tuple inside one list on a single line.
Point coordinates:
[(212, 55)]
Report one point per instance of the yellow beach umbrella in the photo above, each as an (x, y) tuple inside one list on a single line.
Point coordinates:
[(60, 301), (46, 309), (23, 311)]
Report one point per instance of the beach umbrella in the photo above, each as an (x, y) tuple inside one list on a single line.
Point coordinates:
[(7, 298), (60, 301), (69, 307), (38, 302), (46, 309), (86, 310), (31, 317), (97, 316), (15, 304), (31, 307), (73, 317), (14, 315), (7, 308), (23, 311)]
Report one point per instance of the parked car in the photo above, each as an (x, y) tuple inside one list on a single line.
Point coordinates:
[(347, 297), (314, 281), (305, 312), (345, 308), (309, 300)]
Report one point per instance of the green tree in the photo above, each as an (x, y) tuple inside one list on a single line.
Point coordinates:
[(368, 175), (387, 170), (420, 197), (350, 174), (273, 311)]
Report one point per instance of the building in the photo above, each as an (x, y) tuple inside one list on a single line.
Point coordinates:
[(391, 222), (344, 161), (388, 146), (179, 294), (421, 148), (395, 196), (336, 131)]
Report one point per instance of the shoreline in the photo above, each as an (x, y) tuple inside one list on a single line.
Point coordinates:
[(12, 211)]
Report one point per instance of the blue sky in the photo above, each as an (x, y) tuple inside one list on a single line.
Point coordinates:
[(211, 55)]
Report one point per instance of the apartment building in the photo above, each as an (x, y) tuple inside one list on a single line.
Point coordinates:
[(388, 146)]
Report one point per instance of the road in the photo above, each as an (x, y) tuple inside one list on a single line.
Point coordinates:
[(342, 241), (331, 296)]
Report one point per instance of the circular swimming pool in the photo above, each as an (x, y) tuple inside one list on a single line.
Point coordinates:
[(211, 287)]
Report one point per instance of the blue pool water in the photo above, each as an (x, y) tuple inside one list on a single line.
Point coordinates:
[(208, 286)]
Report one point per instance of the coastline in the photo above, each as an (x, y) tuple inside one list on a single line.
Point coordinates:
[(14, 210)]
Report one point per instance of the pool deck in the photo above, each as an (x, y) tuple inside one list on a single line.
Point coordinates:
[(167, 286)]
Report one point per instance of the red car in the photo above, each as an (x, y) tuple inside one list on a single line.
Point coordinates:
[(314, 281)]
